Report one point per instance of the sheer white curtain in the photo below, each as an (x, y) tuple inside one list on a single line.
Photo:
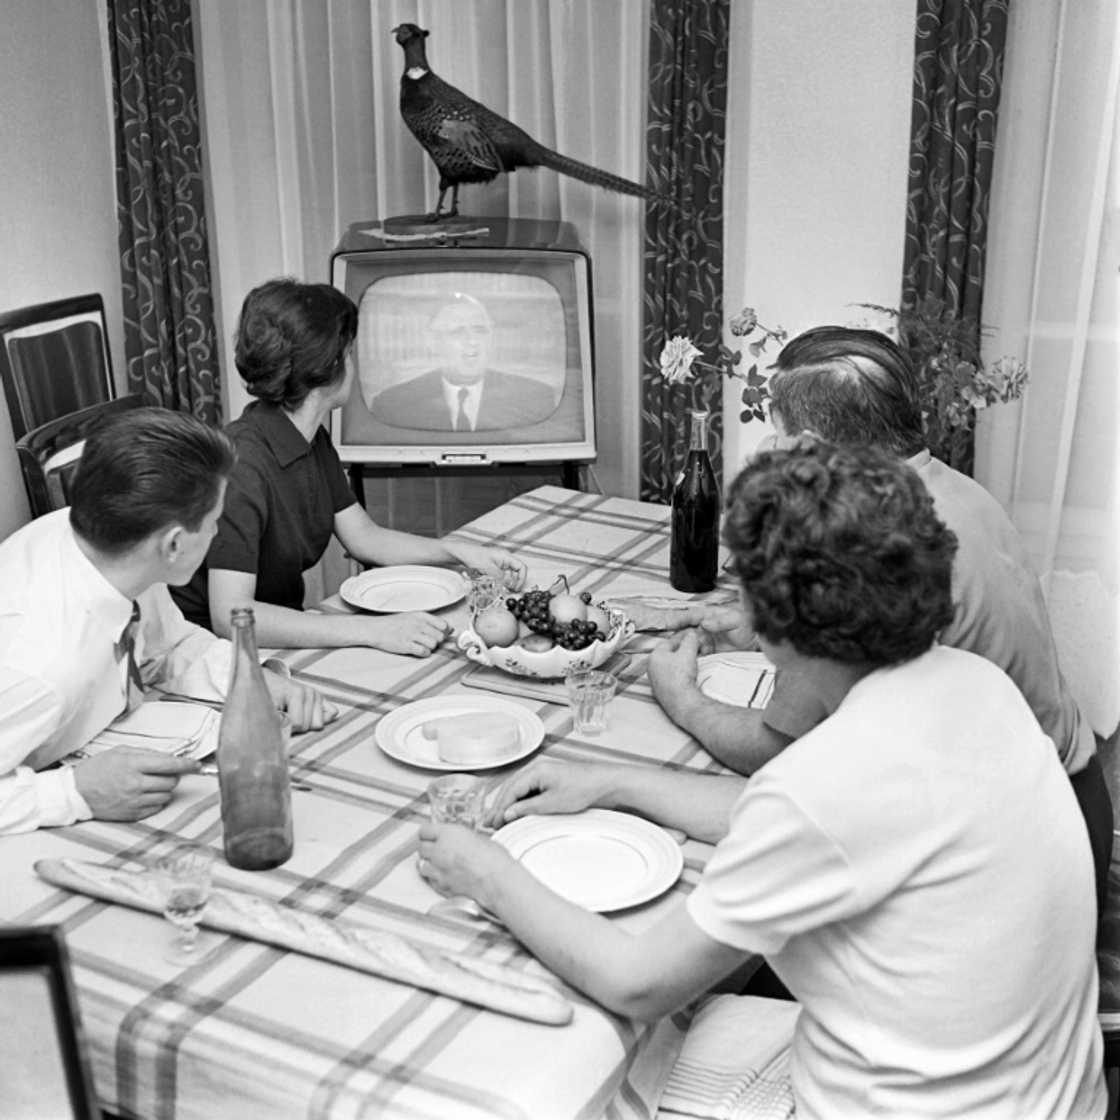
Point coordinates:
[(304, 137), (1052, 295)]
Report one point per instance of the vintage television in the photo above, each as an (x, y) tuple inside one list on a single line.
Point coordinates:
[(506, 307)]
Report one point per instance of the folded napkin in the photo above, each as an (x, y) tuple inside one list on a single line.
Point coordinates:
[(734, 1064), (171, 726)]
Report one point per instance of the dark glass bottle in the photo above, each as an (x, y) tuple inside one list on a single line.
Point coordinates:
[(252, 761), (694, 530)]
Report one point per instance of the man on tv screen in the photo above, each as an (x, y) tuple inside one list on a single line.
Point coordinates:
[(463, 393)]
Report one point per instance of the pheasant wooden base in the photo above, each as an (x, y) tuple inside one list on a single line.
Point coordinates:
[(438, 229)]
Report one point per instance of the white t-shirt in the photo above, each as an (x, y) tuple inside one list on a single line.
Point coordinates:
[(917, 872)]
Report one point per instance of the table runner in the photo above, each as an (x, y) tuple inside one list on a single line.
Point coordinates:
[(253, 1031)]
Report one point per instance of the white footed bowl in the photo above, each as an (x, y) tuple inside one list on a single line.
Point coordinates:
[(551, 663)]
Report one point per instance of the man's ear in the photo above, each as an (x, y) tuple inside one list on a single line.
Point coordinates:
[(169, 543)]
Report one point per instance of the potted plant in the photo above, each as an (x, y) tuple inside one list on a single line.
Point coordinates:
[(953, 380)]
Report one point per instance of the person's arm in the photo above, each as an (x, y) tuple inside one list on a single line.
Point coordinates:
[(180, 657), (119, 784), (371, 543), (738, 737), (414, 633), (643, 976), (699, 804)]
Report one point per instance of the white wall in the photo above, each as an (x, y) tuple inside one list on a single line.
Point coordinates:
[(58, 228), (818, 140)]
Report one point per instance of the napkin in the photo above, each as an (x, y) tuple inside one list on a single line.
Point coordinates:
[(734, 1064), (171, 726)]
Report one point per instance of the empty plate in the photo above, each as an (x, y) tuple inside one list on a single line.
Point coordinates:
[(404, 587), (744, 679), (598, 859), (400, 734)]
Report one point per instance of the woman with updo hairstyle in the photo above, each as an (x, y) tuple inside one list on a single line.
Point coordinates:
[(288, 494)]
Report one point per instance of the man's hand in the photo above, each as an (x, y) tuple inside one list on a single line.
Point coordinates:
[(129, 783), (672, 669), (545, 786), (307, 709), (414, 633), (495, 562)]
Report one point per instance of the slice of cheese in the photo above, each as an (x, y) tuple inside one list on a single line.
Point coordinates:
[(474, 739)]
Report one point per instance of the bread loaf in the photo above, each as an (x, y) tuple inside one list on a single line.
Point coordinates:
[(379, 952)]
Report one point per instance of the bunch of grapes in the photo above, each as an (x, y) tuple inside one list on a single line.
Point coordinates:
[(531, 607)]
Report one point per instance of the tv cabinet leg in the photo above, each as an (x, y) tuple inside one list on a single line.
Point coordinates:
[(569, 476)]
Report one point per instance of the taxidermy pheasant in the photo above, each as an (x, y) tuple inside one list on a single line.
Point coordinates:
[(472, 144)]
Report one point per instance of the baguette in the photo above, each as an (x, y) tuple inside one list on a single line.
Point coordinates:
[(379, 952)]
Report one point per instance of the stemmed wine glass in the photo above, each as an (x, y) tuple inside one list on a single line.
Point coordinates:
[(184, 877)]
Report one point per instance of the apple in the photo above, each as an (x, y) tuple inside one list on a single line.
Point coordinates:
[(536, 643), (496, 626), (565, 608)]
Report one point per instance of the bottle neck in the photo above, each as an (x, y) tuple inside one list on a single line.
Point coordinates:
[(244, 635), (698, 434)]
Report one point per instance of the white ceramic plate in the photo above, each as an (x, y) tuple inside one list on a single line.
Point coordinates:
[(404, 587), (742, 678), (598, 859), (400, 734)]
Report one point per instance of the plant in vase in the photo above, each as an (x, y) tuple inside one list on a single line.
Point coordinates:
[(954, 382)]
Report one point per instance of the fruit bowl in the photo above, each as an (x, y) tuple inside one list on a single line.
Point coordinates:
[(549, 664)]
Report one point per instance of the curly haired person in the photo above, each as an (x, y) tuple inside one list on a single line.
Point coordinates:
[(900, 866)]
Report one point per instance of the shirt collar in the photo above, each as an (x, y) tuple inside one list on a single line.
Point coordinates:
[(284, 439), (920, 460), (102, 599)]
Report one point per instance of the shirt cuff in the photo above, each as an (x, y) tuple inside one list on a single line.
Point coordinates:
[(275, 665), (60, 802)]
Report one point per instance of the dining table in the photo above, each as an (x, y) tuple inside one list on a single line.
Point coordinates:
[(252, 1030)]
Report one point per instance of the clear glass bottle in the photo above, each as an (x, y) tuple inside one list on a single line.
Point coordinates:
[(694, 526), (253, 777)]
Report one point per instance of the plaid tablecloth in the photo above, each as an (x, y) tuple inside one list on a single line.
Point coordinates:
[(251, 1031)]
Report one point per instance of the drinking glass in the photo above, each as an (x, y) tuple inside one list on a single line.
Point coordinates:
[(589, 691), (485, 592), (184, 877), (458, 799)]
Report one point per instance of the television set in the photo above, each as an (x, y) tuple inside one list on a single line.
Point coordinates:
[(474, 347)]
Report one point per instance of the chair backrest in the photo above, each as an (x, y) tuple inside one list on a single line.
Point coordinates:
[(49, 454), (54, 359), (45, 1071)]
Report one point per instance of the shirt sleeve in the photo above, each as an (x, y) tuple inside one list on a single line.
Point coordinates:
[(794, 707), (237, 542), (177, 655), (774, 875), (29, 800)]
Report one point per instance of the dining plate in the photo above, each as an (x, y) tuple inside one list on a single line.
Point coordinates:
[(404, 587), (742, 678), (599, 859), (400, 734)]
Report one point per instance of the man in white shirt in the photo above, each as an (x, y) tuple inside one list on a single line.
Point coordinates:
[(914, 867), (74, 652)]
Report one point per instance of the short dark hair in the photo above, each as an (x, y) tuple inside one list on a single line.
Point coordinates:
[(292, 338), (849, 386), (143, 471), (840, 553)]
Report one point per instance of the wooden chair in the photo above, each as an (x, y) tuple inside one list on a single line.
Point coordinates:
[(46, 1069), (54, 360), (1108, 964), (49, 454)]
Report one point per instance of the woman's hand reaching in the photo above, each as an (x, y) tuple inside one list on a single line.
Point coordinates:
[(546, 786), (495, 562)]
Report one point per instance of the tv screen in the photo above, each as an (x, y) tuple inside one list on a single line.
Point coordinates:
[(472, 352)]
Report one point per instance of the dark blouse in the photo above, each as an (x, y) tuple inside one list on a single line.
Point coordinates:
[(279, 510)]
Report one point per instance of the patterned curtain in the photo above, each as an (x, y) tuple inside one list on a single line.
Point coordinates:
[(170, 351), (683, 251), (958, 75)]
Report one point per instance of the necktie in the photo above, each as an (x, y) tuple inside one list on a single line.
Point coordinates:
[(126, 649), (462, 422)]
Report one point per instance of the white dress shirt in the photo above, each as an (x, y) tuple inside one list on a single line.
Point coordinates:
[(62, 679), (471, 402)]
